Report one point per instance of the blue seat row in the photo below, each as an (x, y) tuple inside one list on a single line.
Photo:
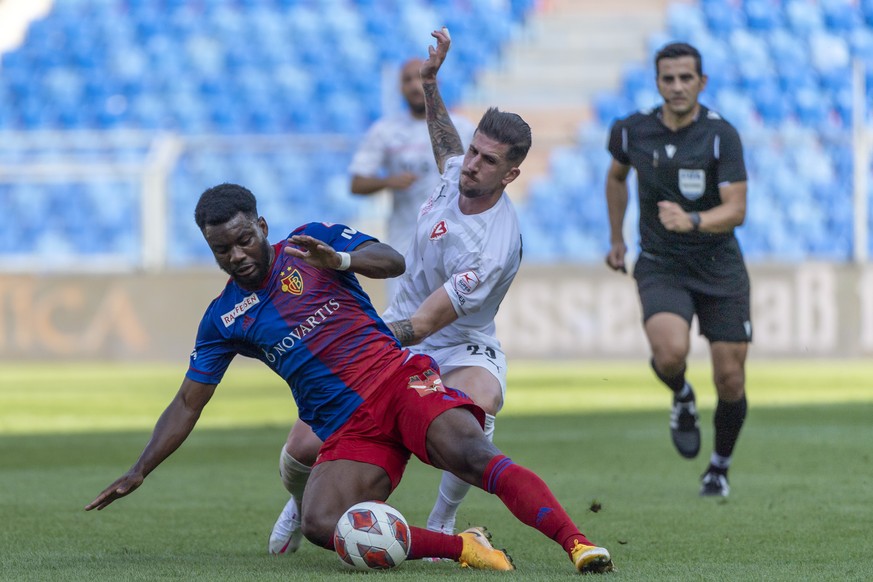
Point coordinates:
[(781, 73), (219, 67)]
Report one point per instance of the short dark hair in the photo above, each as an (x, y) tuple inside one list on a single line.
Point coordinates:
[(674, 50), (220, 203), (507, 128)]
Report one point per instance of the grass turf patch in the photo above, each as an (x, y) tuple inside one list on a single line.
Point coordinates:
[(799, 506)]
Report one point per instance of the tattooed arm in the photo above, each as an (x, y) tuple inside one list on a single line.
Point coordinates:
[(435, 313), (444, 137)]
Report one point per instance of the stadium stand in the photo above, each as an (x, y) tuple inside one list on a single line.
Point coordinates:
[(221, 68), (222, 73), (781, 72)]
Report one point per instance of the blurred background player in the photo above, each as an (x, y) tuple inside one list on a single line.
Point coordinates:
[(692, 194), (396, 154), (464, 256)]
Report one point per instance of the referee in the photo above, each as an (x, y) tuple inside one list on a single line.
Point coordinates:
[(692, 194)]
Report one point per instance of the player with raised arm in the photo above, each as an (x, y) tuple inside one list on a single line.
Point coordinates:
[(465, 254), (395, 154)]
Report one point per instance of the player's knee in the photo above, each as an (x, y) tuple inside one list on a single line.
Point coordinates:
[(479, 453), (491, 403), (670, 361), (730, 384), (318, 527), (303, 444)]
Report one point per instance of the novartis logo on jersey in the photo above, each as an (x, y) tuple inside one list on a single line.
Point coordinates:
[(300, 331)]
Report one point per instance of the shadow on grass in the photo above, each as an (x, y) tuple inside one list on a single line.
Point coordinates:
[(206, 513)]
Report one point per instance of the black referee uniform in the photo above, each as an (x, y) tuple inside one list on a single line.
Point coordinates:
[(687, 272)]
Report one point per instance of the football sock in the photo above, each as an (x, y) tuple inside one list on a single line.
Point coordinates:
[(430, 544), (675, 383), (728, 420), (294, 475), (452, 492), (530, 500), (718, 464)]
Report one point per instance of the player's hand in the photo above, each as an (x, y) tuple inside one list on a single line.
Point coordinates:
[(313, 251), (436, 56), (401, 181), (615, 257), (673, 217), (124, 485)]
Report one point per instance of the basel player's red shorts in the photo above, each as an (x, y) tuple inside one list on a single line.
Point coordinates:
[(393, 422)]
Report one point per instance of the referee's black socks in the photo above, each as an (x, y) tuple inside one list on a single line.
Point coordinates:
[(728, 420), (675, 383)]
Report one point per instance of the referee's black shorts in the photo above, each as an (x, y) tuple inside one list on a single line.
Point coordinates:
[(714, 285)]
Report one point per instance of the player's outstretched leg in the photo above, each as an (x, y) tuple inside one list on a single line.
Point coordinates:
[(529, 499), (287, 536), (471, 548)]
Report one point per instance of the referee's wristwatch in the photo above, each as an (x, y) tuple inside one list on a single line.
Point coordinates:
[(695, 220)]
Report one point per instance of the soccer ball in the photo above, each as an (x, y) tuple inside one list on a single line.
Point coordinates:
[(371, 535)]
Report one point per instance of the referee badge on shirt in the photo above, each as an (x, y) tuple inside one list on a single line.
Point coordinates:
[(692, 183), (292, 282)]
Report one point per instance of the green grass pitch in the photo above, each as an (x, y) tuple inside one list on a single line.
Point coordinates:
[(801, 505)]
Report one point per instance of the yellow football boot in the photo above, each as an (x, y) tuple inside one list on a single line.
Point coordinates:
[(591, 559), (478, 552)]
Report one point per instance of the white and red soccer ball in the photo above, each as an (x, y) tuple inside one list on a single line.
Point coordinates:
[(371, 535)]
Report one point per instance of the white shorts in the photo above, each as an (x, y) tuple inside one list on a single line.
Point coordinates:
[(489, 357)]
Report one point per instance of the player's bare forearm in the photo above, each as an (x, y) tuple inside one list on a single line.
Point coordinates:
[(367, 184), (444, 138), (377, 261), (403, 331), (616, 198), (728, 215), (371, 259), (173, 427), (434, 313), (616, 207)]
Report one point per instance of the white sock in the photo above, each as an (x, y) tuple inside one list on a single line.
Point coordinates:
[(452, 492), (294, 475), (720, 462)]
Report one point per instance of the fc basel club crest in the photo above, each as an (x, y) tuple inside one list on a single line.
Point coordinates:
[(292, 282), (430, 384)]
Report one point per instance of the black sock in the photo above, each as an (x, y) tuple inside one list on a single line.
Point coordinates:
[(675, 383), (728, 420)]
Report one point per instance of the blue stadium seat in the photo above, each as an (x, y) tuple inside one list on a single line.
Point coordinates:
[(764, 15), (723, 18), (804, 17), (685, 20), (841, 16), (771, 104)]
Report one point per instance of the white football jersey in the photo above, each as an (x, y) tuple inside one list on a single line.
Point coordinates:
[(473, 256), (397, 144)]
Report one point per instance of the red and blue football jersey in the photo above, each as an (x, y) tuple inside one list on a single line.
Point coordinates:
[(314, 327)]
